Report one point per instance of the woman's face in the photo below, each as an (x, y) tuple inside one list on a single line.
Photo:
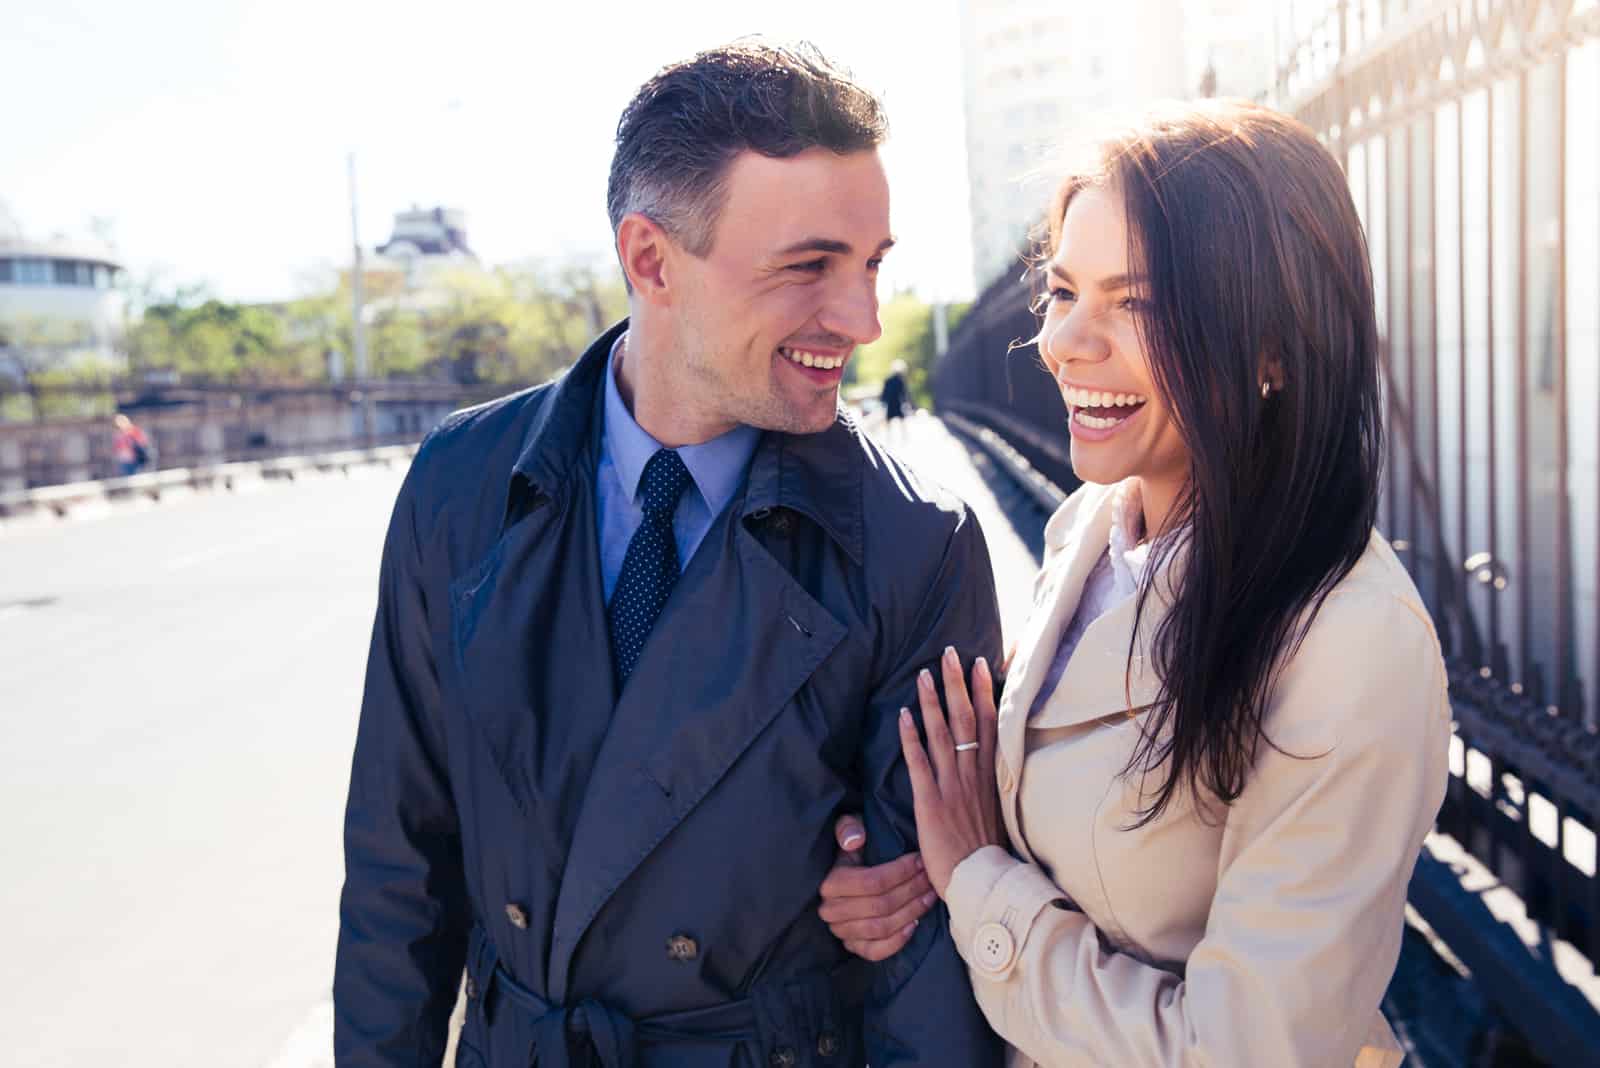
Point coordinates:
[(1120, 424)]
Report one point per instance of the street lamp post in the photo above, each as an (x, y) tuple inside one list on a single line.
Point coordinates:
[(358, 317)]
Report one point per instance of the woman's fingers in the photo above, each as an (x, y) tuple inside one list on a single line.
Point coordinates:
[(963, 722), (988, 737), (924, 791), (941, 750)]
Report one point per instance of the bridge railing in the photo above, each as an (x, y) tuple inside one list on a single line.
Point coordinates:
[(1467, 130)]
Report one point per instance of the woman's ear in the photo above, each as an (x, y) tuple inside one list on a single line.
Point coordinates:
[(1270, 376)]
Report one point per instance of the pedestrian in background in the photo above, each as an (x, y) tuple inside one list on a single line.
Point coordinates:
[(1186, 835), (644, 631), (895, 399), (130, 446)]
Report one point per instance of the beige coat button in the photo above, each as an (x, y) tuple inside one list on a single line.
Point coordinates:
[(993, 947), (518, 916)]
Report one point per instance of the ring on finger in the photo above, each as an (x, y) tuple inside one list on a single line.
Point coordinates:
[(966, 747)]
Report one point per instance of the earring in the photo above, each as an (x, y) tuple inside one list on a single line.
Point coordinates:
[(1266, 389)]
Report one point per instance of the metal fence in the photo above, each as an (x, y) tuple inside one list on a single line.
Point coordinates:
[(1470, 131), (1471, 135)]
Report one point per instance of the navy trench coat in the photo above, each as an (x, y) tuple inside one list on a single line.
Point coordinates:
[(632, 878)]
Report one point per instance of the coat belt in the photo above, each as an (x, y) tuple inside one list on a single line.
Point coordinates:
[(611, 1038), (611, 1034)]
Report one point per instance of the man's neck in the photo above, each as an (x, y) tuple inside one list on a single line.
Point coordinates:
[(653, 401)]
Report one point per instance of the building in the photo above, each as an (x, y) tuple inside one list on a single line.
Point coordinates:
[(60, 300), (1035, 72), (1040, 74), (425, 243)]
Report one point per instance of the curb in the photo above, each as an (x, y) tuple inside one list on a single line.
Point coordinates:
[(1046, 493), (62, 500)]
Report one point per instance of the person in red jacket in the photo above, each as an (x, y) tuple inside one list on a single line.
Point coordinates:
[(130, 447)]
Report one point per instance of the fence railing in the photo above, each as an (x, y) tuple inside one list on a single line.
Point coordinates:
[(1470, 131)]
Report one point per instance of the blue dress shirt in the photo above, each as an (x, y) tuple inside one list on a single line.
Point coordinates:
[(718, 467)]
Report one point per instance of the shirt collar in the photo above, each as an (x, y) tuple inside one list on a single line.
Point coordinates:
[(717, 466), (1130, 557)]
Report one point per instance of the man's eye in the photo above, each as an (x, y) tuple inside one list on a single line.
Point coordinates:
[(874, 264), (810, 266)]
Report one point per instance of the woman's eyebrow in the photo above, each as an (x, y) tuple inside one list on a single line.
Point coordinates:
[(1115, 281)]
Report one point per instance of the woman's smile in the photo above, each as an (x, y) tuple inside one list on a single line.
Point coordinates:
[(1096, 414)]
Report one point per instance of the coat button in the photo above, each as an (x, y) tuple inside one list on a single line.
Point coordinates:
[(682, 947), (782, 1057), (827, 1044), (993, 948), (518, 916)]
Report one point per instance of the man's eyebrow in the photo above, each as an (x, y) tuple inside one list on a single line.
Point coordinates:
[(829, 245)]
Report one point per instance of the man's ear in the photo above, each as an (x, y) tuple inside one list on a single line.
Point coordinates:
[(643, 248)]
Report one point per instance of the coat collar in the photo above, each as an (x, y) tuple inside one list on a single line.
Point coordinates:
[(818, 475), (1111, 670)]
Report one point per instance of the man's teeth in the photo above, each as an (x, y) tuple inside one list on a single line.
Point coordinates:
[(1089, 398), (811, 359)]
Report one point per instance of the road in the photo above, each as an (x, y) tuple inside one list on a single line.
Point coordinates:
[(180, 689)]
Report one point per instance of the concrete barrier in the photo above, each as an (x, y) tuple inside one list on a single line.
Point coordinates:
[(60, 501)]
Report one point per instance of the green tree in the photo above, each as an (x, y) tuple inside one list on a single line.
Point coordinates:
[(907, 335), (49, 369)]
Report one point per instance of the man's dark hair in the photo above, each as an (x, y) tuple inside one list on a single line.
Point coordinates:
[(686, 124)]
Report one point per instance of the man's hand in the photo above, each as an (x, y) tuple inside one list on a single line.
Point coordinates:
[(873, 911)]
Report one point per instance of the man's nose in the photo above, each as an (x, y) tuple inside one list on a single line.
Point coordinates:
[(853, 313)]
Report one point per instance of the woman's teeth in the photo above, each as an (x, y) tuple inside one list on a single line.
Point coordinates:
[(1089, 398), (1094, 422), (811, 359)]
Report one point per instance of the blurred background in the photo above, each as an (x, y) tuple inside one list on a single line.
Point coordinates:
[(282, 240)]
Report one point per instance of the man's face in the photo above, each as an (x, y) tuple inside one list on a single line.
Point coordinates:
[(767, 319)]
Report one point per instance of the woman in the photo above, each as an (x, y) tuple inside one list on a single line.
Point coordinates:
[(1223, 736)]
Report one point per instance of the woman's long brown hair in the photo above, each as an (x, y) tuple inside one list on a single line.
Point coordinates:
[(1256, 270)]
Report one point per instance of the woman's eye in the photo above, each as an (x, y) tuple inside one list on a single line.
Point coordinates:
[(1061, 294)]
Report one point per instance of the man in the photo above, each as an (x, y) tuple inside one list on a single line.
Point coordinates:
[(644, 631)]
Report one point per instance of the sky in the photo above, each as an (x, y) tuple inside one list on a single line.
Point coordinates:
[(213, 135)]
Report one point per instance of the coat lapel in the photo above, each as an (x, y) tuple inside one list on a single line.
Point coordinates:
[(696, 700), (1074, 558)]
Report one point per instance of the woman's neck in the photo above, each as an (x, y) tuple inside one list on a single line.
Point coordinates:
[(1158, 498)]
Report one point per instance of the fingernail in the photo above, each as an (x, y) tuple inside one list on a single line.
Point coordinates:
[(983, 665), (925, 677), (919, 861), (929, 898), (852, 840), (912, 926), (905, 717), (950, 653)]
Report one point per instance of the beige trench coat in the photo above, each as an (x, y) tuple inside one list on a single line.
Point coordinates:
[(1258, 934)]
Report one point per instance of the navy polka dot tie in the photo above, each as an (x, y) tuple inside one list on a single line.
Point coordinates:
[(651, 565)]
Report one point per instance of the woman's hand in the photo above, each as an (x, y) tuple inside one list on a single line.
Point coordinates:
[(954, 794)]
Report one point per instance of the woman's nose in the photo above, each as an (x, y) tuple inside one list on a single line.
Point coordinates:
[(1066, 341)]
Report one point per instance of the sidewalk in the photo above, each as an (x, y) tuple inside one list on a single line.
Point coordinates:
[(1013, 525)]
